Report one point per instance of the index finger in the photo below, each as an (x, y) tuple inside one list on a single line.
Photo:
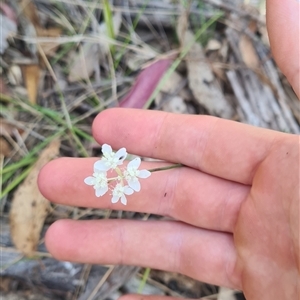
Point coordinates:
[(222, 148)]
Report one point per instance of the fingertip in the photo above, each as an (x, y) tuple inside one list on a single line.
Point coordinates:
[(101, 127), (46, 177), (55, 239)]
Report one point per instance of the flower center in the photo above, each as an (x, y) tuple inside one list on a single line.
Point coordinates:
[(100, 180), (118, 190), (131, 173), (110, 160)]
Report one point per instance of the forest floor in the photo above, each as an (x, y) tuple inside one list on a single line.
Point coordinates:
[(63, 62)]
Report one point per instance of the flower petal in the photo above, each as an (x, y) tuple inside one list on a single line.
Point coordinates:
[(123, 200), (106, 149), (135, 185), (115, 199), (101, 166), (135, 163), (89, 180), (128, 190), (144, 173), (121, 154), (101, 191)]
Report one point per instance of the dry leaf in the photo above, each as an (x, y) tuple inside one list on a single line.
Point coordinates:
[(172, 83), (202, 82), (170, 98), (31, 13), (170, 87), (248, 52), (31, 75), (5, 148), (83, 63), (29, 208), (175, 105), (49, 48)]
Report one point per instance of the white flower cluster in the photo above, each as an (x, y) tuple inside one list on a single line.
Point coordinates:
[(126, 181)]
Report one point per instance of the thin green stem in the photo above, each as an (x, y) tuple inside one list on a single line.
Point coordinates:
[(69, 123), (53, 115), (83, 134), (108, 18), (144, 280), (18, 165), (165, 168)]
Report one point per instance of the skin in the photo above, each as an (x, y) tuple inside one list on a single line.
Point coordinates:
[(235, 204)]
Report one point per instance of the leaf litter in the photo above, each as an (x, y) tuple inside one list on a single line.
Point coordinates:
[(29, 208), (70, 73), (83, 63)]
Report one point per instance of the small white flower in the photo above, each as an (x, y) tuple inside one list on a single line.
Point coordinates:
[(99, 182), (110, 159), (124, 182), (132, 174), (119, 192)]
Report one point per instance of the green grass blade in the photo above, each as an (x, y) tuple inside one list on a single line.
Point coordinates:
[(15, 182), (108, 19), (29, 158), (144, 280)]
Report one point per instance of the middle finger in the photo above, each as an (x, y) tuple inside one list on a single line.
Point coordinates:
[(184, 194)]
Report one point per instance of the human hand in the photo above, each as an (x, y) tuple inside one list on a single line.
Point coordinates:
[(236, 203)]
